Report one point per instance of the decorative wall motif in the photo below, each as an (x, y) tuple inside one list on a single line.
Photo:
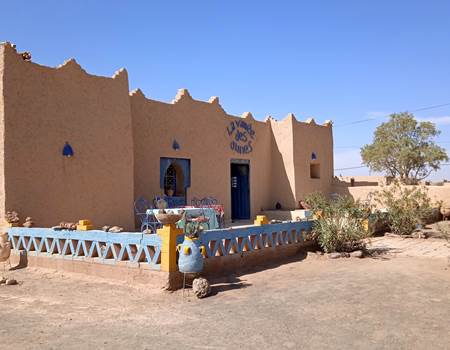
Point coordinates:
[(235, 241), (242, 135), (137, 248), (67, 150), (175, 145), (106, 248)]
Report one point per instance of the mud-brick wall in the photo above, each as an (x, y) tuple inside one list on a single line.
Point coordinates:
[(2, 123), (45, 107), (312, 138), (200, 129), (293, 144), (283, 170), (436, 193)]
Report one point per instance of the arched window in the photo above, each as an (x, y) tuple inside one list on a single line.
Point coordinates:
[(170, 180), (174, 179)]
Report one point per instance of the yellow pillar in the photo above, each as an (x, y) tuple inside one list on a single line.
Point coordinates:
[(169, 234), (261, 220)]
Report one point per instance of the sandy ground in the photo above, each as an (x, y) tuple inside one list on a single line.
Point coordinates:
[(408, 247), (388, 302)]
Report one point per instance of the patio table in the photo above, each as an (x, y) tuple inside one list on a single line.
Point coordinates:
[(210, 213)]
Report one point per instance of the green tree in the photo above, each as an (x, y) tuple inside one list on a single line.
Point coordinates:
[(404, 148)]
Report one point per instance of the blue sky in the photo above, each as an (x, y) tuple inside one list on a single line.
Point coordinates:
[(339, 60)]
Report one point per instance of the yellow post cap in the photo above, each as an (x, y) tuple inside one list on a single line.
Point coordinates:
[(84, 222), (261, 220)]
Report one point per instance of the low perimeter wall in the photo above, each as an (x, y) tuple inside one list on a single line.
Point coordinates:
[(231, 249), (143, 258)]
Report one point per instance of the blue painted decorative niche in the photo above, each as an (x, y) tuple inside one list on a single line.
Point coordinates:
[(175, 145), (67, 150), (313, 156)]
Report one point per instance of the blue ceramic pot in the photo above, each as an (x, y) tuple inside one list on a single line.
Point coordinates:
[(191, 258)]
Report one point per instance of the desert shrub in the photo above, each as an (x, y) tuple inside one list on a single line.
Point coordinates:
[(407, 207), (317, 201), (340, 228), (444, 230)]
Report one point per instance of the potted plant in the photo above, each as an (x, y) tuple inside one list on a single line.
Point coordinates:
[(191, 250)]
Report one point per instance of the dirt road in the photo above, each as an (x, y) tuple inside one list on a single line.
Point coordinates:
[(315, 303)]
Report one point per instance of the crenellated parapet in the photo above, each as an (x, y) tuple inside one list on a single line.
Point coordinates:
[(121, 75), (214, 100), (69, 67), (248, 116), (137, 93), (291, 118), (183, 96)]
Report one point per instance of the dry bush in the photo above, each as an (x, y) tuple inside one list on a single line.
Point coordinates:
[(340, 226), (408, 207)]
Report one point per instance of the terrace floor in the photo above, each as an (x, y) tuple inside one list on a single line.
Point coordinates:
[(391, 301)]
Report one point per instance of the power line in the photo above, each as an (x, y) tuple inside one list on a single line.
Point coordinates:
[(352, 167), (359, 121), (431, 107), (358, 147), (386, 116)]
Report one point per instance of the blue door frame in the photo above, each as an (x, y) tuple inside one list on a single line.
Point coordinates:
[(240, 191)]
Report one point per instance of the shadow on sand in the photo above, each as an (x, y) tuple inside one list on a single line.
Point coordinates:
[(233, 281), (380, 253)]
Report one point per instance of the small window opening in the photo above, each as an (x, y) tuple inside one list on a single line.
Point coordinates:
[(315, 171)]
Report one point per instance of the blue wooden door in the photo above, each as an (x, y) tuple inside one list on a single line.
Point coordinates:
[(240, 192)]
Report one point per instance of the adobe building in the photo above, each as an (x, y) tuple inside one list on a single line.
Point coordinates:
[(126, 145)]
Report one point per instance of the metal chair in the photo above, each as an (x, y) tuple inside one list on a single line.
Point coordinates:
[(208, 201), (148, 220), (195, 202)]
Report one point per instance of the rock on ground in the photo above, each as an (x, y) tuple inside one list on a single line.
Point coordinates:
[(201, 287), (357, 254), (334, 255)]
